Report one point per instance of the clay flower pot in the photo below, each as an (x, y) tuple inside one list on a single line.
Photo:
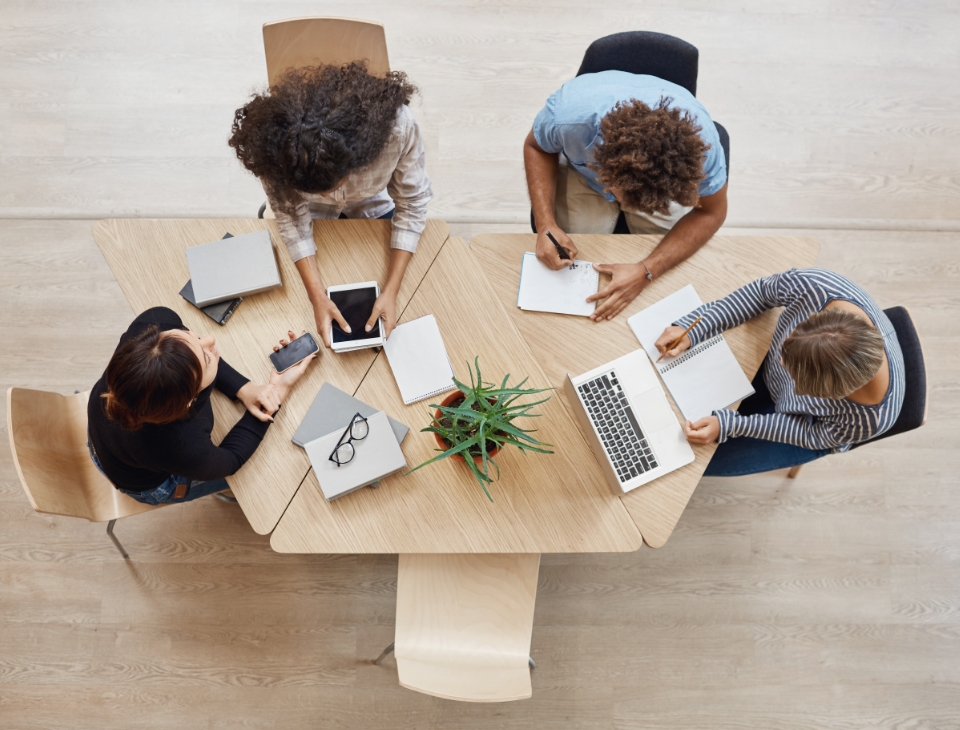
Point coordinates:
[(451, 401)]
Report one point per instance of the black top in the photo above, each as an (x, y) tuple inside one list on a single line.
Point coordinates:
[(143, 459)]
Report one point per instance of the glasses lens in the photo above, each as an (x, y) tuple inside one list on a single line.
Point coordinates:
[(359, 430), (344, 453)]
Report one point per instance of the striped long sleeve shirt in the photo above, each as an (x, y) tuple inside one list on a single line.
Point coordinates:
[(398, 177), (805, 421)]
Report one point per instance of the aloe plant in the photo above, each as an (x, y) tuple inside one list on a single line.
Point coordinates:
[(483, 420)]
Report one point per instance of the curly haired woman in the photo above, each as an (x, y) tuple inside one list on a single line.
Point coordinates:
[(337, 142), (630, 143)]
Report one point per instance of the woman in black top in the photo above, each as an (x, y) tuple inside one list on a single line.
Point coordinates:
[(150, 418)]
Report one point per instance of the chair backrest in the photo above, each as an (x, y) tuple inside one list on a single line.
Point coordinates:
[(301, 42), (48, 438), (643, 52), (914, 410), (464, 624)]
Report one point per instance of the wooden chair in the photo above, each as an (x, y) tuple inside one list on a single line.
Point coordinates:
[(464, 624), (300, 42), (913, 413), (48, 438)]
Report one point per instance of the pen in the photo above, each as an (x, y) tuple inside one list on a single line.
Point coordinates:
[(677, 341), (560, 249)]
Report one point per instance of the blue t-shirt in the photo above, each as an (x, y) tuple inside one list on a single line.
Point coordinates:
[(570, 121)]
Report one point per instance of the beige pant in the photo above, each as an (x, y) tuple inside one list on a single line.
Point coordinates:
[(581, 209)]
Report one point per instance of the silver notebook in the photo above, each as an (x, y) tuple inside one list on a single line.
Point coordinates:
[(232, 267)]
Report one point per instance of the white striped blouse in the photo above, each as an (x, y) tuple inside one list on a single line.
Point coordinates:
[(805, 421)]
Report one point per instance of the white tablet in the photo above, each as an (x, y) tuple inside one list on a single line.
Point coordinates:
[(355, 302)]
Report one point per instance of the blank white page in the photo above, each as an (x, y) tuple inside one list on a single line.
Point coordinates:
[(701, 380), (418, 359), (563, 292)]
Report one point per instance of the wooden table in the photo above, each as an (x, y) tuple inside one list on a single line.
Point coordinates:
[(542, 503), (564, 344), (147, 257)]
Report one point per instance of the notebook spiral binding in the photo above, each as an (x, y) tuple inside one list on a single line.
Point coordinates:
[(691, 353)]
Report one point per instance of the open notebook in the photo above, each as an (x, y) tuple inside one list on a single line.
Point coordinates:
[(564, 291), (419, 360), (703, 379)]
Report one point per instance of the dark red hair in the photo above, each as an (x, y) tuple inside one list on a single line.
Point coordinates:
[(151, 379)]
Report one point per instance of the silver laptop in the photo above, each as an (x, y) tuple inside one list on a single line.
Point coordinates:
[(625, 417)]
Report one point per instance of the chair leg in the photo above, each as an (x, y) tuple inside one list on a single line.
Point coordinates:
[(794, 470), (533, 664), (224, 498), (116, 542), (263, 209), (384, 653)]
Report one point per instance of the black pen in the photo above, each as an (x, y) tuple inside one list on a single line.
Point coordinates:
[(560, 249)]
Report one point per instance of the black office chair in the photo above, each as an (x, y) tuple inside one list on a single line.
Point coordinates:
[(651, 54), (913, 413)]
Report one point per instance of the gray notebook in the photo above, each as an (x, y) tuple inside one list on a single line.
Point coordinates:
[(331, 411), (232, 267)]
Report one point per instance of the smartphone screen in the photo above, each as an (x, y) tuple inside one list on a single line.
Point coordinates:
[(288, 356), (355, 305)]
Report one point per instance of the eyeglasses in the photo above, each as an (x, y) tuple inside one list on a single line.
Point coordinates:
[(356, 431)]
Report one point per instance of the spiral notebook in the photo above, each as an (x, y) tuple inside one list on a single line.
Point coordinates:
[(563, 292), (701, 380), (418, 359)]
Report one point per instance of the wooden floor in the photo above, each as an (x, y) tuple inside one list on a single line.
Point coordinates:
[(829, 602)]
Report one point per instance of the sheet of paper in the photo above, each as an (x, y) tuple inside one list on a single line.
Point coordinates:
[(418, 359), (701, 380), (563, 292)]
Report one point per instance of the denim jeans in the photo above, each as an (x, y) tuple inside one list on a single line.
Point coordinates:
[(745, 455), (385, 217), (164, 492)]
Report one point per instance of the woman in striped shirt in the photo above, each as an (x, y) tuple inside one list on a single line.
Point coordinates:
[(833, 378)]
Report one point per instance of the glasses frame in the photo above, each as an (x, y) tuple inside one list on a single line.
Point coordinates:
[(350, 438)]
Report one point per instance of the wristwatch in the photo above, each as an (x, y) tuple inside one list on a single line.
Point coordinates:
[(649, 274)]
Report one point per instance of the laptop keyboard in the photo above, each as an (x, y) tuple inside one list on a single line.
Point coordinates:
[(620, 433)]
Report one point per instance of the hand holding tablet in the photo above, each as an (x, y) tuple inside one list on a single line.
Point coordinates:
[(355, 302)]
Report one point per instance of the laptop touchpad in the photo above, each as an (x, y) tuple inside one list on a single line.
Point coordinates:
[(654, 411)]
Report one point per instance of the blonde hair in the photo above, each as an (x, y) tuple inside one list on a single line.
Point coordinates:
[(832, 353)]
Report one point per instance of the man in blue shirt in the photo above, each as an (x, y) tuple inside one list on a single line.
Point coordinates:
[(633, 143)]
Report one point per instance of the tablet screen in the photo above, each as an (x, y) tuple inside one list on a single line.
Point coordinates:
[(355, 305)]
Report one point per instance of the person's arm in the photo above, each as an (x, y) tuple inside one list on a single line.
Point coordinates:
[(410, 189), (807, 432), (687, 237), (542, 170)]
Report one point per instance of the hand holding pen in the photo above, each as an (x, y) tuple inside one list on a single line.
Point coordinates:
[(555, 249), (674, 340)]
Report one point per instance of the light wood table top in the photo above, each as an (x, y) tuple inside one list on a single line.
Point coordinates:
[(565, 344), (543, 503), (147, 258)]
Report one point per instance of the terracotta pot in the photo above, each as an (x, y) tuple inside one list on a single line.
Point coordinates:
[(443, 443)]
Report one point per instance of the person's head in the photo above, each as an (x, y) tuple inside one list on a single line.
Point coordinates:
[(154, 377), (650, 156), (317, 125), (832, 354)]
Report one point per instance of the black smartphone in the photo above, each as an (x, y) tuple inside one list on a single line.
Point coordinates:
[(286, 357)]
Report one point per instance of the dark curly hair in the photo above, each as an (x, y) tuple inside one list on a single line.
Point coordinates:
[(317, 125), (650, 155)]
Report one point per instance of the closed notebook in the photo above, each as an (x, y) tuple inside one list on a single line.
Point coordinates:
[(419, 360), (330, 410), (232, 268), (563, 292), (703, 379), (375, 457)]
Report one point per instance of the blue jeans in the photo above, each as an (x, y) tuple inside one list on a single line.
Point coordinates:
[(165, 492), (745, 455), (385, 217)]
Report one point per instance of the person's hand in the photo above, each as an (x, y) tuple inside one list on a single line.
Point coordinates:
[(627, 280), (325, 311), (284, 381), (703, 431), (386, 307), (669, 336), (260, 400), (547, 252)]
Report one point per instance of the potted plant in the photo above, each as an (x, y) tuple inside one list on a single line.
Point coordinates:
[(477, 420)]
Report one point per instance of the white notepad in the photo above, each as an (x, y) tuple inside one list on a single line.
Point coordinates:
[(563, 292), (419, 360), (703, 379)]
